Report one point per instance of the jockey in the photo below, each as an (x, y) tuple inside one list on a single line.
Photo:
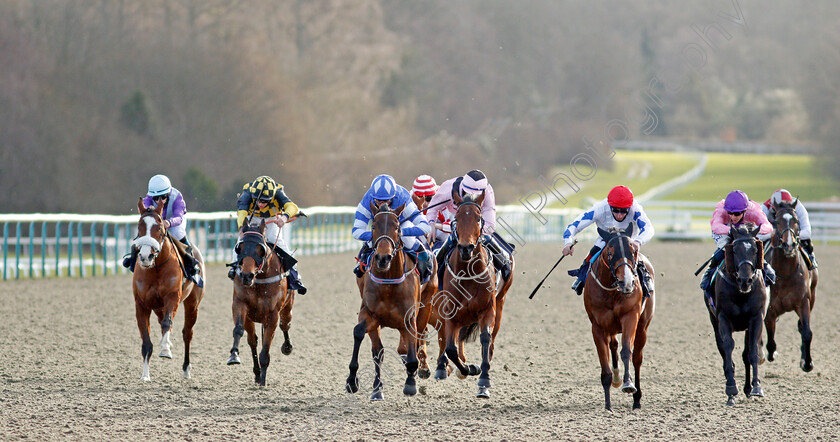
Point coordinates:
[(422, 191), (617, 210), (735, 209), (804, 222), (264, 199), (175, 222), (474, 182), (413, 224)]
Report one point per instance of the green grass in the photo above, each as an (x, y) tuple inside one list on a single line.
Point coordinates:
[(662, 166), (759, 176)]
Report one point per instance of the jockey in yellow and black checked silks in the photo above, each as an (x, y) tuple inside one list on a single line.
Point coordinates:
[(264, 189)]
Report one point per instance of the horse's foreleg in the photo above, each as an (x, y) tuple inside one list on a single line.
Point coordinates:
[(190, 316), (269, 327), (378, 355), (628, 337), (486, 340), (745, 356), (442, 361), (602, 345), (238, 331), (497, 320), (638, 347), (169, 310), (252, 343), (616, 375), (804, 324), (770, 324), (452, 349), (142, 315), (727, 344), (411, 363), (754, 332)]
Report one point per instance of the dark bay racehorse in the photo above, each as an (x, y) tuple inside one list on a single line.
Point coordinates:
[(160, 285), (260, 294), (739, 305), (391, 292), (471, 299), (613, 300), (796, 286)]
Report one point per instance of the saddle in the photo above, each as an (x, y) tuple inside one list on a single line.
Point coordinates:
[(187, 262)]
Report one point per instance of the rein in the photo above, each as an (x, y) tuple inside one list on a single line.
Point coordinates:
[(623, 261), (396, 248), (477, 252)]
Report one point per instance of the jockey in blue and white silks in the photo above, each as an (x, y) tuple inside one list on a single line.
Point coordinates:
[(413, 224), (617, 210)]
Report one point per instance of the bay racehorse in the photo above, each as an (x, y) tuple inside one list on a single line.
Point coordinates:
[(391, 293), (796, 286), (261, 295), (160, 285), (613, 298), (472, 296), (739, 305)]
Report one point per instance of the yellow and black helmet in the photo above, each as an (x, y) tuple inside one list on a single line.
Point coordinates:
[(263, 188)]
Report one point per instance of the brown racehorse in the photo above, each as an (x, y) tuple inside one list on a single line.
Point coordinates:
[(613, 300), (391, 294), (160, 285), (260, 294), (796, 286), (470, 300)]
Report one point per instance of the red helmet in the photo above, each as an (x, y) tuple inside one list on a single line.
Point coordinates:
[(621, 197)]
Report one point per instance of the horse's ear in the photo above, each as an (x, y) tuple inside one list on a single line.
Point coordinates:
[(372, 208), (732, 230), (603, 233), (262, 225), (159, 209), (628, 231), (456, 197), (754, 231), (795, 202), (480, 199), (398, 210), (140, 206)]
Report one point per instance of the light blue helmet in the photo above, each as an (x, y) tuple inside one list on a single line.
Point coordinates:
[(159, 185), (384, 188)]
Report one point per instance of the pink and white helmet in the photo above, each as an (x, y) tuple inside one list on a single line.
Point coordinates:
[(424, 185), (473, 182), (781, 195)]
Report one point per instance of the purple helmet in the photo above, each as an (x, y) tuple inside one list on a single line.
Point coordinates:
[(736, 201)]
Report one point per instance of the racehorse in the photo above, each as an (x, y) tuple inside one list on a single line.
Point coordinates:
[(260, 294), (471, 299), (615, 304), (160, 285), (391, 295), (796, 286), (739, 304)]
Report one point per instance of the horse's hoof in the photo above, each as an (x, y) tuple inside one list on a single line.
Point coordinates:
[(187, 374), (409, 390), (460, 375), (628, 388), (772, 356), (806, 367), (731, 401), (424, 373), (286, 348), (440, 374), (352, 386), (483, 393), (473, 370), (616, 380), (757, 392), (234, 360), (145, 378), (377, 396), (166, 354), (484, 383)]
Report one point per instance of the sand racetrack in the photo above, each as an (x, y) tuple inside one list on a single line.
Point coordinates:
[(71, 366)]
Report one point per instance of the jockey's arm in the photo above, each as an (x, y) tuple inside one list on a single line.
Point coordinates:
[(804, 221), (179, 209), (290, 209), (360, 223), (415, 223), (644, 226), (581, 222), (488, 211)]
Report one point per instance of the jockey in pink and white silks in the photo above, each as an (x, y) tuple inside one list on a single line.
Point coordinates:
[(619, 210), (801, 214), (175, 220), (413, 224), (474, 182), (735, 209)]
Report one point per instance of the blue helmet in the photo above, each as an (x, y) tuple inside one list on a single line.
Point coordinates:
[(383, 188)]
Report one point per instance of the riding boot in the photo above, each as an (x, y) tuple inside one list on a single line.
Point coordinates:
[(443, 253), (577, 286), (424, 265), (645, 279), (364, 253), (500, 261), (295, 282), (131, 258), (809, 249), (769, 274)]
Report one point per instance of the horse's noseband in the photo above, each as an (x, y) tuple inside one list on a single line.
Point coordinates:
[(619, 261), (258, 239), (395, 245)]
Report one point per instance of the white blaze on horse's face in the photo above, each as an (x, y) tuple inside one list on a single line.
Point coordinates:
[(788, 217), (148, 246), (627, 278)]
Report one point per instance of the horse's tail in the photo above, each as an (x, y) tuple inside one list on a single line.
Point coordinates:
[(468, 333)]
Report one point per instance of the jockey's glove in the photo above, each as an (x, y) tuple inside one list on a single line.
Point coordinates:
[(240, 217)]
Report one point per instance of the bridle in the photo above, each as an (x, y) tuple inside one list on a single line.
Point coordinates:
[(148, 240), (396, 245), (476, 252), (619, 260), (258, 239), (779, 235)]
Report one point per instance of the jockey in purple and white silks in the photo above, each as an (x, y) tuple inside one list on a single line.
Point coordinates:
[(174, 216), (413, 224), (619, 210), (473, 182)]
